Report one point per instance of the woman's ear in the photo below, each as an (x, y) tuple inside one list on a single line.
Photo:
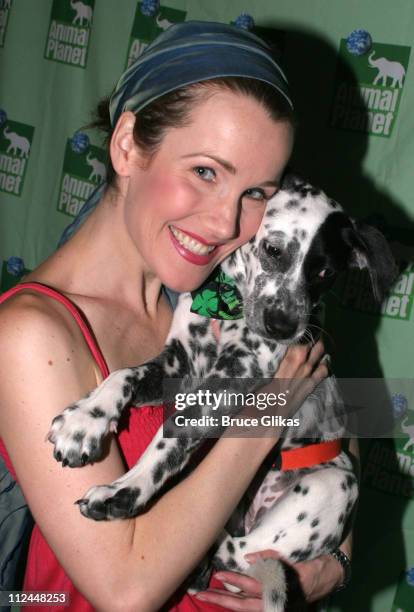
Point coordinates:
[(123, 150)]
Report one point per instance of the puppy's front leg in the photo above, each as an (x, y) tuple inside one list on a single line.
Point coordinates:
[(78, 432), (128, 495)]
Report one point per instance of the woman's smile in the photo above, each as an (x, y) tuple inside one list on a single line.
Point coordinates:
[(194, 250)]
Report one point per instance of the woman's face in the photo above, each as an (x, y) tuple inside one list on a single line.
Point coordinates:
[(205, 190)]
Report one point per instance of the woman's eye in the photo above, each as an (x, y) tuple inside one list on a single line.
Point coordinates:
[(207, 174), (256, 194)]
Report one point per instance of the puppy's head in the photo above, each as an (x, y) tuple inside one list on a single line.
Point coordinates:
[(304, 242)]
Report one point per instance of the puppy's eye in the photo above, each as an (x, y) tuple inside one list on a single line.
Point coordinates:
[(326, 273), (273, 251)]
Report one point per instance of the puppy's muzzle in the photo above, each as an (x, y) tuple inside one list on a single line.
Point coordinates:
[(279, 325)]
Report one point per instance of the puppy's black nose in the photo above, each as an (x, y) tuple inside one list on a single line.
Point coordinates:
[(279, 325)]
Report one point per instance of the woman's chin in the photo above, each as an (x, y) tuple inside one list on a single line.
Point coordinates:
[(185, 285), (184, 279)]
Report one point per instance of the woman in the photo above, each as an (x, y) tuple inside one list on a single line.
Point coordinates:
[(191, 171)]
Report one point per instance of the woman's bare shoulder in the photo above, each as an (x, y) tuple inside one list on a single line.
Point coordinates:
[(39, 341), (33, 311)]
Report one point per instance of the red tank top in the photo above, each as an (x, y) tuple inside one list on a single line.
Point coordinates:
[(138, 427)]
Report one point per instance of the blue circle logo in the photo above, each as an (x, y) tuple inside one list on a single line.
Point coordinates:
[(79, 142), (359, 42), (244, 21)]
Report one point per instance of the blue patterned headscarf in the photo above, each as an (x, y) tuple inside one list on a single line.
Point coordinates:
[(186, 53)]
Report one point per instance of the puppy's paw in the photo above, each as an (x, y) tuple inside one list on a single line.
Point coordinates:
[(108, 502), (78, 433)]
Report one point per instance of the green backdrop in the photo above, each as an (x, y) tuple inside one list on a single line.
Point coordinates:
[(355, 139)]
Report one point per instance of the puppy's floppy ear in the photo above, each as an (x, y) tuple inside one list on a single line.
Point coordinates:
[(371, 251), (291, 181)]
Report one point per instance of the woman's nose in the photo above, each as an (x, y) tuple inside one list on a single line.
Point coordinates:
[(223, 220)]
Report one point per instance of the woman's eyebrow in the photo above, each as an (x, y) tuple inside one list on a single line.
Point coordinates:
[(228, 166), (270, 184)]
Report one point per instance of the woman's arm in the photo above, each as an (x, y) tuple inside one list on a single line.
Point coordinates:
[(126, 565)]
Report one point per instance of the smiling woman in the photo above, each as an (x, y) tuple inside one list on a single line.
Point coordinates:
[(200, 133), (209, 195)]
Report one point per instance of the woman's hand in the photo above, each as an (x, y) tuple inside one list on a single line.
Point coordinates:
[(312, 581), (302, 368), (315, 579)]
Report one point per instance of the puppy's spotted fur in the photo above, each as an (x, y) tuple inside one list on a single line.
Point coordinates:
[(304, 242)]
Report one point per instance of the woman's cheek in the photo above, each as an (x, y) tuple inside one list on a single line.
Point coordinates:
[(187, 198), (253, 219)]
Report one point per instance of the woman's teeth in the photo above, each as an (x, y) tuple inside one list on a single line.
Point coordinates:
[(189, 243)]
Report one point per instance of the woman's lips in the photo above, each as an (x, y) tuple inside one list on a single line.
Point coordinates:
[(194, 258)]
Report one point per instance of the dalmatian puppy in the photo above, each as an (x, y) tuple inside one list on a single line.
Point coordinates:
[(304, 242)]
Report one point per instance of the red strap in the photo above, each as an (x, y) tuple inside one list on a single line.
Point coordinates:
[(79, 318), (307, 456)]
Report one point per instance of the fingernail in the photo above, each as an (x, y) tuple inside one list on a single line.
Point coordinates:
[(219, 576), (202, 597), (250, 557)]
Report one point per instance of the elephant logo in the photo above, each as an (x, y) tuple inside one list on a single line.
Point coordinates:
[(409, 431), (387, 68), (98, 172), (83, 12), (18, 144), (164, 24)]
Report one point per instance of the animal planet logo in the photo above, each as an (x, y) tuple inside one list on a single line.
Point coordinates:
[(404, 444), (5, 6), (81, 174), (390, 468), (145, 29), (357, 292), (69, 30), (371, 105), (15, 144), (390, 462)]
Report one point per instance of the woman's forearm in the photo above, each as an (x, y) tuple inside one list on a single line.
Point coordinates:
[(170, 539)]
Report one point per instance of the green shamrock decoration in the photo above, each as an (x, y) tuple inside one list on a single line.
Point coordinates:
[(218, 298), (205, 303)]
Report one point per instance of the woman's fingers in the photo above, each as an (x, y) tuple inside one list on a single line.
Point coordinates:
[(299, 372), (316, 353), (245, 583), (295, 357), (248, 599), (231, 601), (319, 373), (268, 553)]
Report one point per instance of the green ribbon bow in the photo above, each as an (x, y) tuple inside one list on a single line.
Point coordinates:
[(218, 298)]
